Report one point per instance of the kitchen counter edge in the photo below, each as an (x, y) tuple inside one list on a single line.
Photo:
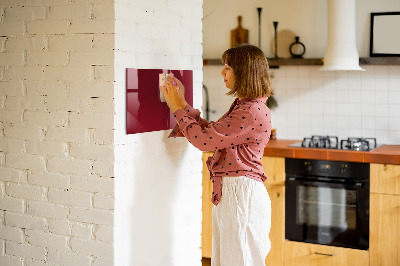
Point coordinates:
[(385, 154)]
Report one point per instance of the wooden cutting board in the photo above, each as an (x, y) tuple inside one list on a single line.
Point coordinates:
[(239, 35)]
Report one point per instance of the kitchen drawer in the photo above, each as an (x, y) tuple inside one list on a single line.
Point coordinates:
[(305, 254)]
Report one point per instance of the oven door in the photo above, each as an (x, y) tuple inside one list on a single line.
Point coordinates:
[(327, 213)]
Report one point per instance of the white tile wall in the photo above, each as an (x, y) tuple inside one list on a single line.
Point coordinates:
[(342, 103)]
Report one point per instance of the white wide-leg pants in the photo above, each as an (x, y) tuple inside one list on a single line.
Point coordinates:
[(241, 223)]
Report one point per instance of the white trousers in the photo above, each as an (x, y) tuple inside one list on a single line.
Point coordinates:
[(241, 223)]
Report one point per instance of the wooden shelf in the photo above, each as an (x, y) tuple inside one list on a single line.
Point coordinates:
[(274, 63), (380, 61)]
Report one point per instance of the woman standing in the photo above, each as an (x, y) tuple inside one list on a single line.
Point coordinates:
[(242, 208)]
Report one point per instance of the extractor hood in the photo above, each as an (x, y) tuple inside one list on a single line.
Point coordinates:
[(341, 51)]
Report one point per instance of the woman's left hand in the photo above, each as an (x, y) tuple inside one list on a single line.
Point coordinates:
[(170, 90)]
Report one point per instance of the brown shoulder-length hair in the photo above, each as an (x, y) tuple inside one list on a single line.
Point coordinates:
[(250, 66)]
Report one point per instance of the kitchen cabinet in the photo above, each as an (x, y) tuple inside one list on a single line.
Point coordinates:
[(385, 214), (305, 254), (274, 168), (206, 226)]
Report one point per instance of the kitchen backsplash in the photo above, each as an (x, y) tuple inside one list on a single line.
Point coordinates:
[(314, 102)]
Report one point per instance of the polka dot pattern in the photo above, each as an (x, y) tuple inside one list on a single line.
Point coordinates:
[(238, 139)]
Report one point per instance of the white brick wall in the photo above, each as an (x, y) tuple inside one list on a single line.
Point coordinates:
[(153, 174), (56, 132)]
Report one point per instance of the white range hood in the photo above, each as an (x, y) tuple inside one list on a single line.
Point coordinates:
[(341, 51)]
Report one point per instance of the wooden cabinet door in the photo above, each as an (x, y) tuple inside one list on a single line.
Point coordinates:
[(274, 168), (305, 254), (277, 233), (385, 178), (206, 226), (384, 236)]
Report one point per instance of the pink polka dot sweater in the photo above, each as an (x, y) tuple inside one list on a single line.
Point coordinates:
[(238, 139)]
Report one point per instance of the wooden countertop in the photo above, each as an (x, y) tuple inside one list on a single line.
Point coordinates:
[(389, 154)]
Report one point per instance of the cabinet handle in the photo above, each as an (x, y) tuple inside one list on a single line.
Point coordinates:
[(324, 254)]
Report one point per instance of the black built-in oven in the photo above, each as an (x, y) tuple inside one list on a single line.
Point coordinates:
[(327, 202)]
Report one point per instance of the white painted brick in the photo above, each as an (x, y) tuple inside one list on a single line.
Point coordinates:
[(103, 41), (25, 161), (96, 105), (11, 233), (46, 240), (12, 145), (191, 48), (74, 135), (25, 103), (81, 73), (12, 204), (102, 136), (12, 29), (2, 158), (60, 227), (24, 132), (103, 11), (46, 148), (25, 191), (46, 88), (24, 73), (25, 221), (105, 260), (47, 27), (12, 117), (2, 44), (92, 151), (71, 43), (105, 233), (46, 58), (82, 230), (46, 118), (93, 184), (11, 59), (46, 209), (104, 73), (70, 166), (91, 89), (99, 120), (95, 216), (48, 179), (46, 2), (68, 258), (31, 43), (70, 12), (91, 26), (103, 202), (104, 169), (11, 260), (11, 88), (23, 13), (56, 103), (25, 250), (91, 247), (32, 262), (69, 197), (10, 174), (96, 57)]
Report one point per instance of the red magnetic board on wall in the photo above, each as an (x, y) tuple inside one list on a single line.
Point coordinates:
[(145, 109)]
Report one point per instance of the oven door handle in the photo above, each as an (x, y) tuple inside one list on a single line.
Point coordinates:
[(357, 185)]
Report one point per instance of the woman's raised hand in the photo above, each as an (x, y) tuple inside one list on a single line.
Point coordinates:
[(174, 93)]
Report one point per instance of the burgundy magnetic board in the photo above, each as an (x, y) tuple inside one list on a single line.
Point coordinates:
[(145, 109)]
